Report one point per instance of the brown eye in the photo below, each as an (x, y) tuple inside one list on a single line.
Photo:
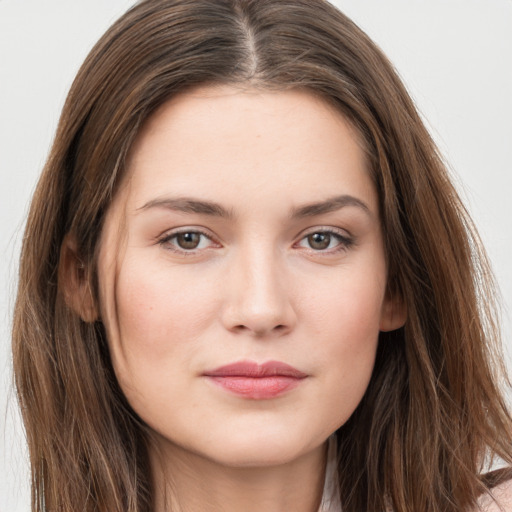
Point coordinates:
[(319, 241), (188, 241)]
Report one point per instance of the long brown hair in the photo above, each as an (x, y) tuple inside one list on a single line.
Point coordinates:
[(432, 415)]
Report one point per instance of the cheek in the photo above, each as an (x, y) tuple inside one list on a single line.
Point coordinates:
[(347, 304), (160, 317), (344, 318), (158, 307)]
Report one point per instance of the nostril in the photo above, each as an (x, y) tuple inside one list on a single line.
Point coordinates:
[(281, 328)]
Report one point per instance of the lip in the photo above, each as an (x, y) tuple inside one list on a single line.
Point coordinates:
[(255, 381)]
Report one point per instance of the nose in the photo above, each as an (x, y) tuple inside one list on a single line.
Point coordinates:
[(258, 300)]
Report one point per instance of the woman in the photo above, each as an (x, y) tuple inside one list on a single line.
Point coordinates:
[(247, 282)]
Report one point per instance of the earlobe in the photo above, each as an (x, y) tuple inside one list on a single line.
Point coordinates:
[(393, 315), (74, 283)]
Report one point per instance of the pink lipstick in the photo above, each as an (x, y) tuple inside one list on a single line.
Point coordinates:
[(256, 381)]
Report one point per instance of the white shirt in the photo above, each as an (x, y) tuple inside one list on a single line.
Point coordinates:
[(331, 497)]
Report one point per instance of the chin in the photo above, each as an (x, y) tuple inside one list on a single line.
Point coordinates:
[(261, 448)]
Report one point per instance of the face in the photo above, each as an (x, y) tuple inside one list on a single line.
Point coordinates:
[(242, 275)]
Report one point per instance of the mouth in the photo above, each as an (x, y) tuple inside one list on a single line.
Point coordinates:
[(256, 381)]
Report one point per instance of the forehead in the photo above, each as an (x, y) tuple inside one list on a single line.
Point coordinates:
[(247, 146)]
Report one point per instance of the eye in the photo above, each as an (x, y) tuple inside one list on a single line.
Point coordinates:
[(326, 241), (319, 241), (187, 241)]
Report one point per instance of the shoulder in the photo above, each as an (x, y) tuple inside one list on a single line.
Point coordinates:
[(499, 499)]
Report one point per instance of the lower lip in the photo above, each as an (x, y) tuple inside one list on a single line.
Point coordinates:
[(257, 388)]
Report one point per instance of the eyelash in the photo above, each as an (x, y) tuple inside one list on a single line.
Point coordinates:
[(166, 241), (344, 242)]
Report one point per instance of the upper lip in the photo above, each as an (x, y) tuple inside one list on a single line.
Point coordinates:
[(256, 370)]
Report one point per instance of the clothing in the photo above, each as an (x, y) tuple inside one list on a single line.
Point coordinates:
[(331, 497)]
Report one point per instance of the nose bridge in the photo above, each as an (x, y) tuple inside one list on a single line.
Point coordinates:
[(259, 300)]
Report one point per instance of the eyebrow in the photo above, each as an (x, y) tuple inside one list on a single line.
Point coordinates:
[(330, 205), (189, 205), (202, 207)]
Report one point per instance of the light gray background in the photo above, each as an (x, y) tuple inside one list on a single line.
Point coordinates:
[(454, 55)]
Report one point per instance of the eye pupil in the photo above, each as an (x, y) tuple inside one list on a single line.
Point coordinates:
[(188, 240), (319, 240)]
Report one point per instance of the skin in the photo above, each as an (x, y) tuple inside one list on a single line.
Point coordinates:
[(259, 286)]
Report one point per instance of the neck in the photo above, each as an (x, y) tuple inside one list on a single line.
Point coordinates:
[(187, 482)]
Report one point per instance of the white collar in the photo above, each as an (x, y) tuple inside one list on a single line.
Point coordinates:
[(331, 497)]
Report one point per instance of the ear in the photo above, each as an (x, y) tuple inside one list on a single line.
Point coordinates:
[(393, 313), (74, 282)]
